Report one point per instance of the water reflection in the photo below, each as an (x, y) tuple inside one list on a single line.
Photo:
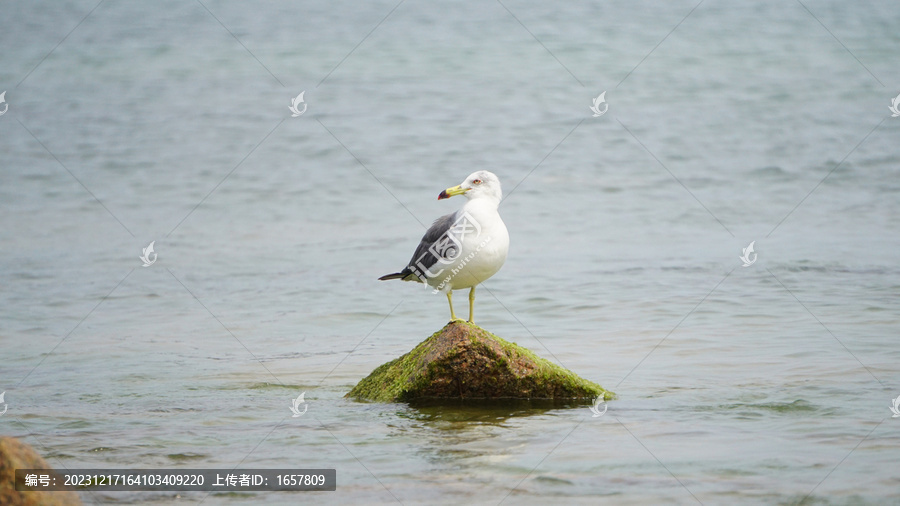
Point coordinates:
[(460, 434), (483, 411)]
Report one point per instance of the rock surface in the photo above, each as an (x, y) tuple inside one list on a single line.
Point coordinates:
[(15, 454), (464, 361)]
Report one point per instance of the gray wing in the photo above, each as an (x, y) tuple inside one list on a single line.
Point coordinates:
[(424, 259)]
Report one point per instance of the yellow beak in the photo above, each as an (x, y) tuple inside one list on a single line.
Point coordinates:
[(449, 192)]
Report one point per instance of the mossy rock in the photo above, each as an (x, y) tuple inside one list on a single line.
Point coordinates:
[(464, 361), (15, 454)]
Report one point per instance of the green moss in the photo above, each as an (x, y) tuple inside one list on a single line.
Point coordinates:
[(464, 361)]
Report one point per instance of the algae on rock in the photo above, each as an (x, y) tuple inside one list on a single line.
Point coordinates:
[(464, 361)]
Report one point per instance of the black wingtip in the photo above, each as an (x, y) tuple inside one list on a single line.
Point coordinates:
[(396, 275)]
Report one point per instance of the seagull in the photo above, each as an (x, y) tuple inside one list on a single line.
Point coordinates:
[(464, 248)]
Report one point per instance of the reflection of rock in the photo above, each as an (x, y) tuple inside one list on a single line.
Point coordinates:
[(15, 454), (464, 361)]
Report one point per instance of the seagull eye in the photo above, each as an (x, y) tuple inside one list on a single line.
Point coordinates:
[(477, 181)]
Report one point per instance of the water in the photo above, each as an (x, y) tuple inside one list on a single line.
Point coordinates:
[(761, 385)]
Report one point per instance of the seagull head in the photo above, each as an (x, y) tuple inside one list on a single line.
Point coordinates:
[(479, 184)]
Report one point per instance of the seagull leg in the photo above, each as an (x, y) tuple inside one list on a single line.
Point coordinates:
[(472, 305), (453, 317)]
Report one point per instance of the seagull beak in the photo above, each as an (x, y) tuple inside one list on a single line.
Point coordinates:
[(449, 192)]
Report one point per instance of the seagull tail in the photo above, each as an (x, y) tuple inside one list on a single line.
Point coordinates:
[(396, 275)]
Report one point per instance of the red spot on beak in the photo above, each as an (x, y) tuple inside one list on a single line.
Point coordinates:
[(443, 195)]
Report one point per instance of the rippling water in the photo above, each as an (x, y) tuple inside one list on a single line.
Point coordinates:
[(150, 122)]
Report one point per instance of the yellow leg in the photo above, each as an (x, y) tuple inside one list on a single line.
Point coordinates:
[(472, 305), (450, 300)]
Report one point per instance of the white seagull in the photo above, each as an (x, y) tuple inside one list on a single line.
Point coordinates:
[(464, 248)]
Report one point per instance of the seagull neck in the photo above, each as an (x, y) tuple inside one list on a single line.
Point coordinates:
[(482, 203)]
